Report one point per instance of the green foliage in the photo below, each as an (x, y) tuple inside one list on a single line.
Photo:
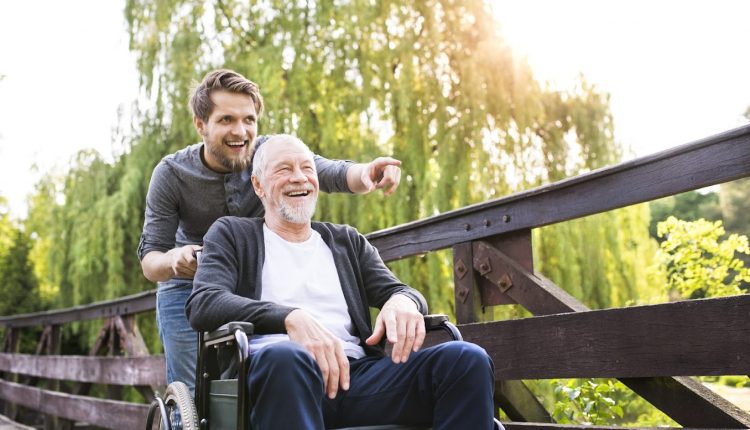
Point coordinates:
[(734, 198), (597, 402), (586, 403), (697, 263), (18, 285), (689, 206), (601, 259)]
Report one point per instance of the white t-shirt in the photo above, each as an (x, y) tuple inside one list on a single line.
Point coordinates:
[(303, 275)]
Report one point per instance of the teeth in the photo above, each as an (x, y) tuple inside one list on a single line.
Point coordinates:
[(241, 143), (297, 193)]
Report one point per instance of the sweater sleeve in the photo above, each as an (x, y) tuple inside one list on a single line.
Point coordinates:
[(379, 282), (226, 286), (161, 217), (332, 174)]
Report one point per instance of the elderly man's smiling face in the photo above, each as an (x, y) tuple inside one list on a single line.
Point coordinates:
[(286, 180)]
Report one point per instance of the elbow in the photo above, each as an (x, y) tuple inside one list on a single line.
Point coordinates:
[(195, 317)]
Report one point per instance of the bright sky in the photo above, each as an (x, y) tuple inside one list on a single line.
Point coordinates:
[(677, 71)]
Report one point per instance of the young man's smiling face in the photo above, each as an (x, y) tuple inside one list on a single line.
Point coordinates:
[(289, 183), (229, 132)]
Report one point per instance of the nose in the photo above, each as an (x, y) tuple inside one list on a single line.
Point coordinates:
[(238, 129), (298, 175)]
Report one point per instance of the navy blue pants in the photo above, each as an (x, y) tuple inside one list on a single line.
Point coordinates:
[(448, 386)]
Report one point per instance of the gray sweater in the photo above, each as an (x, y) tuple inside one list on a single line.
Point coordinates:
[(228, 284)]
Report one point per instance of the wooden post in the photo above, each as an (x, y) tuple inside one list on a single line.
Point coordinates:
[(10, 344)]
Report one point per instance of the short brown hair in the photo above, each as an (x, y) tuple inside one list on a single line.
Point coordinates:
[(222, 80)]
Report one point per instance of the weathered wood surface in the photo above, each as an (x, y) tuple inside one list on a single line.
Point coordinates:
[(127, 305), (109, 414), (713, 160), (8, 424), (145, 370), (696, 337), (687, 402)]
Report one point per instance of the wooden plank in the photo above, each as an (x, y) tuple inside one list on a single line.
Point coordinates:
[(717, 159), (537, 294), (708, 407), (109, 414), (517, 246), (133, 304), (696, 337), (8, 424), (145, 370), (467, 300), (519, 403)]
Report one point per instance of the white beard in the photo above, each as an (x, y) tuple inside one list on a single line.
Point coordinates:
[(297, 214)]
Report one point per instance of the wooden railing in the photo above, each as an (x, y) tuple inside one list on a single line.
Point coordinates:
[(118, 358), (652, 349)]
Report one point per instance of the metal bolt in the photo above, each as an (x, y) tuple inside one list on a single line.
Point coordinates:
[(506, 218), (486, 223), (463, 293), (484, 266), (461, 268), (467, 227)]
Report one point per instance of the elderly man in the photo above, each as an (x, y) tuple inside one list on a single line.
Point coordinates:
[(307, 287)]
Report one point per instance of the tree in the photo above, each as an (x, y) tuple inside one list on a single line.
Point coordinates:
[(697, 263), (431, 82), (19, 285), (735, 205), (689, 206)]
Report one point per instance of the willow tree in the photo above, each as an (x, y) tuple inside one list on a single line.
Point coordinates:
[(430, 82)]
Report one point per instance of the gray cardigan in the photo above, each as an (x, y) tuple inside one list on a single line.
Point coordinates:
[(228, 284)]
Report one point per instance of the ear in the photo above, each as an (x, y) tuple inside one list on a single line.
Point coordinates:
[(257, 186), (200, 126)]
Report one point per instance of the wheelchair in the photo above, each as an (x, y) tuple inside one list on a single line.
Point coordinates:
[(220, 404)]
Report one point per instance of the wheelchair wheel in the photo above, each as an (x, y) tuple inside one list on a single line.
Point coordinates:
[(180, 408)]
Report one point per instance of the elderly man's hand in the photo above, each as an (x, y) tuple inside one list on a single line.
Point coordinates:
[(403, 325), (324, 346)]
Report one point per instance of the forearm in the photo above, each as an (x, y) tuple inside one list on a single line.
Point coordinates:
[(354, 178), (156, 266)]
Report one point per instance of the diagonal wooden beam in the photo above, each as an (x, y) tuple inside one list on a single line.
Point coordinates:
[(688, 403)]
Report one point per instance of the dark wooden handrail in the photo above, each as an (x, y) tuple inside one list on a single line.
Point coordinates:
[(126, 305), (710, 161)]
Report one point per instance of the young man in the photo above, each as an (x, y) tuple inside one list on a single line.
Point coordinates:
[(307, 287), (193, 187)]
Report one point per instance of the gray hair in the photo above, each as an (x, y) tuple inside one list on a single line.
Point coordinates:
[(260, 159)]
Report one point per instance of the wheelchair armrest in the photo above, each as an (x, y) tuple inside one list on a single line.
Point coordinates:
[(228, 329), (440, 322)]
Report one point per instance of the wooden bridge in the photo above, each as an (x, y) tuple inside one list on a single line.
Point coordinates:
[(652, 349)]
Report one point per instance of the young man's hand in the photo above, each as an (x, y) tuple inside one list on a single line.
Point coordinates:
[(403, 325), (183, 261), (380, 173)]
